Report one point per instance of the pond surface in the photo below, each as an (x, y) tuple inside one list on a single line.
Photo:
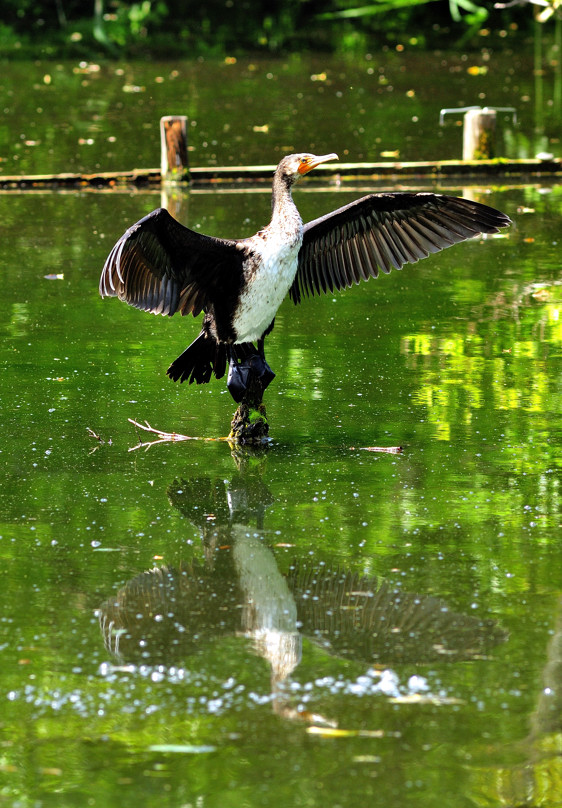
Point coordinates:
[(316, 625), (87, 117)]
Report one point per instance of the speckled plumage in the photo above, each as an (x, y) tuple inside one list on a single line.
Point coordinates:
[(269, 272)]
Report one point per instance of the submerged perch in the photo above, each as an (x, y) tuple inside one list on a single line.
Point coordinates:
[(249, 423)]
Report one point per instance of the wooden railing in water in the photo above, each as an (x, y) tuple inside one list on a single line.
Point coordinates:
[(175, 169)]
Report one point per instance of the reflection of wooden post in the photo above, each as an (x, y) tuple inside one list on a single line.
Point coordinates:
[(479, 135), (175, 199), (173, 141)]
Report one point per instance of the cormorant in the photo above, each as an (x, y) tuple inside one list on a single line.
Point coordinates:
[(163, 267)]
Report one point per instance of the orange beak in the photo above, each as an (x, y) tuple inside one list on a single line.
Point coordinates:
[(314, 161)]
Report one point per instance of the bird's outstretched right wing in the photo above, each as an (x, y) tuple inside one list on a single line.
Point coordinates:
[(384, 232), (160, 266)]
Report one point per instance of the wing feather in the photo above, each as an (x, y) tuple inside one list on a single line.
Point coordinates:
[(160, 266), (384, 232)]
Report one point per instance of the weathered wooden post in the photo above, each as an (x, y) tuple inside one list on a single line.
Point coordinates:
[(479, 134), (174, 163), (479, 130)]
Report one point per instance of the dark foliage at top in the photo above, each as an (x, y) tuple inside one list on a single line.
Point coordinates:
[(43, 28)]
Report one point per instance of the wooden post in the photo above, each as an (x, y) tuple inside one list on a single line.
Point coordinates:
[(249, 424), (174, 164), (479, 134)]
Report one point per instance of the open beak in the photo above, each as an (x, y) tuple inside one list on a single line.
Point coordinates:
[(315, 161)]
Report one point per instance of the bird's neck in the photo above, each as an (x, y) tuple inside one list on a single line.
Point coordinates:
[(285, 216)]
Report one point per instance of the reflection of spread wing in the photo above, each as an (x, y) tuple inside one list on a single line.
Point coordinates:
[(162, 267), (382, 232), (361, 618)]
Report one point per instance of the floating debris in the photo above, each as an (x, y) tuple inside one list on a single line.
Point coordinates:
[(416, 698), (384, 449), (164, 437), (181, 749), (97, 437), (330, 732)]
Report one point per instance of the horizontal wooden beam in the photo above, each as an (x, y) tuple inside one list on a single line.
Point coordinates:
[(478, 169)]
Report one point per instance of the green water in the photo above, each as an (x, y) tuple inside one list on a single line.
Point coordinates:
[(176, 620), (89, 117)]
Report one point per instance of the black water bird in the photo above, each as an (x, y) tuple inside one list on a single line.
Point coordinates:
[(162, 267)]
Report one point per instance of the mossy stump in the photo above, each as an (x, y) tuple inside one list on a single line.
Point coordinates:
[(250, 424)]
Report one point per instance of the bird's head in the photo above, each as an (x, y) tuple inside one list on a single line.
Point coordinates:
[(295, 166)]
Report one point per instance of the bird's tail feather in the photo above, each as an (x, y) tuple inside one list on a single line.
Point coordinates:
[(199, 360), (205, 357)]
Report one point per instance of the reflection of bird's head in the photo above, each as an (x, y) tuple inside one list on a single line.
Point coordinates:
[(213, 505), (294, 166)]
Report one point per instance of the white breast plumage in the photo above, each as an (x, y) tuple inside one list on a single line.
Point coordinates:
[(275, 270)]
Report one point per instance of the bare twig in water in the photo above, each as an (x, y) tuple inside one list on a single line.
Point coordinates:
[(163, 437), (387, 449), (176, 437), (99, 439)]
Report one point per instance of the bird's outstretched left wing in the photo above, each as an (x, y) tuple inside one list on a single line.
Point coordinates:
[(160, 266), (384, 232)]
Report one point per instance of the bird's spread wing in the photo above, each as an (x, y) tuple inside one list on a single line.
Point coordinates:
[(384, 232), (160, 266)]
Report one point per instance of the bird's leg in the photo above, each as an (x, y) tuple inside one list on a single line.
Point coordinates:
[(247, 380), (249, 377), (266, 374), (239, 374), (260, 370), (237, 380)]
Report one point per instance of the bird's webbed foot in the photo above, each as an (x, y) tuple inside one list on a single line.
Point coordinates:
[(249, 377)]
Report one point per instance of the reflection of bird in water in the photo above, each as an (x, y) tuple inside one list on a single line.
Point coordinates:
[(164, 614), (163, 267)]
